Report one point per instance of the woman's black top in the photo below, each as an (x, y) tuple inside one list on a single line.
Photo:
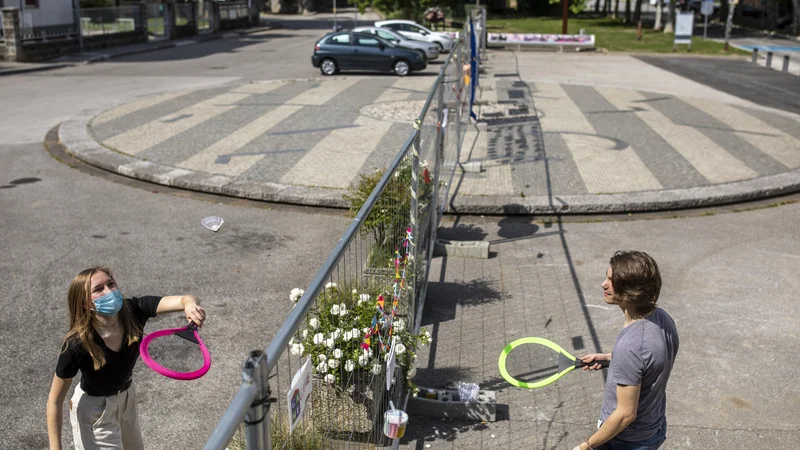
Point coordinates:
[(113, 376)]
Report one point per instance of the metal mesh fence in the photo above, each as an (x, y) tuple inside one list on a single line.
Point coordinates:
[(365, 300), (103, 21), (204, 17), (34, 25), (156, 18)]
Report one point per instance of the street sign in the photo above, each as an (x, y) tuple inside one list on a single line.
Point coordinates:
[(684, 24), (707, 7)]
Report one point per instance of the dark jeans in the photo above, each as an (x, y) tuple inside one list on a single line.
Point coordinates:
[(650, 444)]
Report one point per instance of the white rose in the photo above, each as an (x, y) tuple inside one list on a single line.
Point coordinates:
[(337, 333), (313, 323), (292, 341), (399, 325), (355, 291), (348, 335), (362, 360), (376, 368), (337, 353), (399, 349), (322, 367), (296, 294), (349, 366), (342, 310), (363, 298), (335, 310), (366, 330), (333, 363), (329, 343), (330, 285), (297, 349), (356, 334), (305, 334), (318, 339), (330, 378)]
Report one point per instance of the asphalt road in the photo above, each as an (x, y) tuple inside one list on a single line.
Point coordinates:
[(731, 274)]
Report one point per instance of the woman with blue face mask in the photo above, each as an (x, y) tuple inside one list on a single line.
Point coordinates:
[(103, 344)]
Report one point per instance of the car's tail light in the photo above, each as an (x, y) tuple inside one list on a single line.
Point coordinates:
[(316, 48)]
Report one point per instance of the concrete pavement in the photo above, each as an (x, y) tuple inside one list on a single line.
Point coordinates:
[(560, 137)]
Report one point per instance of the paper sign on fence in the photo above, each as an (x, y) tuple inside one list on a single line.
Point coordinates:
[(299, 392)]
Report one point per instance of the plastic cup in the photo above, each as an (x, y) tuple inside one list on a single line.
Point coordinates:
[(394, 423)]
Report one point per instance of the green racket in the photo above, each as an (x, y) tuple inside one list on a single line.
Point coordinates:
[(544, 367)]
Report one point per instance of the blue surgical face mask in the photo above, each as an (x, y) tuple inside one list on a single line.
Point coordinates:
[(109, 304)]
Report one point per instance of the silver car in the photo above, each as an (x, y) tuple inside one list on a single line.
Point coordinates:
[(431, 50)]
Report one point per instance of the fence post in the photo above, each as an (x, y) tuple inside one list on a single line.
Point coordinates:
[(769, 60), (785, 63), (11, 35), (216, 19), (169, 20), (257, 420), (415, 234), (754, 59)]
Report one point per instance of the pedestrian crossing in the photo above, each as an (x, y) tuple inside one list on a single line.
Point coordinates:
[(318, 133)]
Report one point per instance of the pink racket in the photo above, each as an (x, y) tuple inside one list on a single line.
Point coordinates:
[(190, 334)]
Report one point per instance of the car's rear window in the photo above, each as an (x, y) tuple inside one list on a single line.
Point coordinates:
[(339, 39)]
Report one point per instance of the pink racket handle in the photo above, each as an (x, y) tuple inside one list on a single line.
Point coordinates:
[(171, 373)]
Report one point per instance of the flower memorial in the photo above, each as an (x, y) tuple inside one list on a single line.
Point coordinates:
[(352, 327)]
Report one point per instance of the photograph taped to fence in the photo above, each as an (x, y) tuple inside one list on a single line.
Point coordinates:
[(179, 354), (535, 362)]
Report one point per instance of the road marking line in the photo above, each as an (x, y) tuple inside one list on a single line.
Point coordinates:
[(159, 130), (205, 161), (772, 141), (138, 105), (603, 169), (335, 160), (324, 92), (711, 160)]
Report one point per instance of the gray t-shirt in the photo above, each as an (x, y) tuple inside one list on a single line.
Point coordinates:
[(643, 355)]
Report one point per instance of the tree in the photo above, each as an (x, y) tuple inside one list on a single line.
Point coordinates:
[(796, 17), (669, 27), (637, 12), (627, 11), (659, 9), (772, 14)]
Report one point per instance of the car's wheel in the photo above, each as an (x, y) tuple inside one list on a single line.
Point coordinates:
[(401, 68), (328, 66)]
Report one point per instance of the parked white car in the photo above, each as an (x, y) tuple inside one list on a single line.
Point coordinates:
[(430, 49), (416, 31)]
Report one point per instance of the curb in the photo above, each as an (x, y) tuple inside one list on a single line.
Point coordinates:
[(5, 72), (74, 135), (664, 200), (178, 43)]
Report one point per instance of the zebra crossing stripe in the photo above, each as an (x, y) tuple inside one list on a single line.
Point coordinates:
[(205, 161), (603, 168), (335, 160), (157, 131), (770, 140), (323, 93), (711, 160), (138, 105), (257, 88), (404, 87)]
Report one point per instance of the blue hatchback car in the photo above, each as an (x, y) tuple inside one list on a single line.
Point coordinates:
[(345, 50)]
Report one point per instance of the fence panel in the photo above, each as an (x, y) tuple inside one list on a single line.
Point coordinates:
[(156, 16), (205, 17), (35, 26), (184, 14), (106, 21), (366, 298)]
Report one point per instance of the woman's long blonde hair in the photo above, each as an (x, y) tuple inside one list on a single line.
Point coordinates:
[(79, 301)]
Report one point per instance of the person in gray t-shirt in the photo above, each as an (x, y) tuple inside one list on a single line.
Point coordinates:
[(633, 415)]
